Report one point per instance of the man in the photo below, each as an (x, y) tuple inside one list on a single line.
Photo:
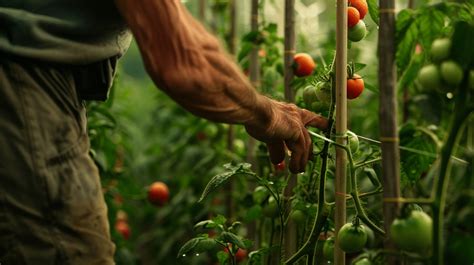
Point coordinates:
[(56, 53)]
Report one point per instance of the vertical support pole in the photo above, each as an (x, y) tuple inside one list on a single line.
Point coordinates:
[(290, 239), (254, 69), (341, 122), (231, 41), (388, 117)]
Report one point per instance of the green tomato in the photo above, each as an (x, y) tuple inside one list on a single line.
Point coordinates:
[(471, 79), (357, 33), (353, 142), (323, 92), (352, 238), (414, 233), (428, 77), (260, 193), (440, 49), (309, 95), (363, 261), (271, 208), (328, 248), (370, 237), (451, 73), (298, 216), (320, 106)]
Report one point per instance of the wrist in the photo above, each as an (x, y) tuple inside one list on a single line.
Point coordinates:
[(262, 114)]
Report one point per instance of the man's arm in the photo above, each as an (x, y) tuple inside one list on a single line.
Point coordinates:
[(187, 62)]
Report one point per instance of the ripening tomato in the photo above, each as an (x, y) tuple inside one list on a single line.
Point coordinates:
[(357, 33), (352, 238), (303, 64), (355, 86), (158, 193), (353, 16), (298, 216), (309, 95), (123, 229), (240, 255), (361, 6), (323, 92)]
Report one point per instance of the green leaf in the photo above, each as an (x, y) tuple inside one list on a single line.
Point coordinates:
[(234, 239), (244, 50), (219, 179), (414, 165), (411, 72), (407, 37), (373, 10), (251, 37), (205, 224), (219, 220), (359, 66), (254, 213), (188, 247), (371, 87)]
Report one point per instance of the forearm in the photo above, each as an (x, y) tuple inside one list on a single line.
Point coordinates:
[(186, 62)]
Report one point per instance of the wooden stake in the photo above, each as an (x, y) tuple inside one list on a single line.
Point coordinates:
[(388, 117), (254, 70), (291, 240), (341, 122)]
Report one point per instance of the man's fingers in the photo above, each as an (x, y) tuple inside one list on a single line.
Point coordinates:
[(299, 151), (276, 151), (314, 120)]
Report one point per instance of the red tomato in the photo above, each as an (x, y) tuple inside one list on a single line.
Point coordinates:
[(355, 86), (280, 166), (123, 228), (303, 64), (361, 5), (240, 255), (158, 193), (353, 16)]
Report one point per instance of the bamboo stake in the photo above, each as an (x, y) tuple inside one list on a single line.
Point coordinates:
[(254, 70), (388, 111), (291, 240), (341, 122)]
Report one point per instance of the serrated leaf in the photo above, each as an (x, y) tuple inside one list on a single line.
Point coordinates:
[(407, 37), (371, 88), (373, 10), (188, 247), (234, 239), (359, 66), (219, 179)]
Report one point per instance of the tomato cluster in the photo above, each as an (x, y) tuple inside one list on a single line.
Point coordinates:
[(355, 14), (442, 73)]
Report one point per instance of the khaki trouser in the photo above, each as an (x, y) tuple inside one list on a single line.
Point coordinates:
[(52, 209)]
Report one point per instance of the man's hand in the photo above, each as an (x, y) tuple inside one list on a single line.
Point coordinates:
[(285, 127), (187, 62)]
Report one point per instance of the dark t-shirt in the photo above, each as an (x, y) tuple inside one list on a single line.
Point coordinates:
[(74, 32)]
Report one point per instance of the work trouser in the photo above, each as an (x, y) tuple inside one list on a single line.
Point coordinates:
[(52, 209)]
